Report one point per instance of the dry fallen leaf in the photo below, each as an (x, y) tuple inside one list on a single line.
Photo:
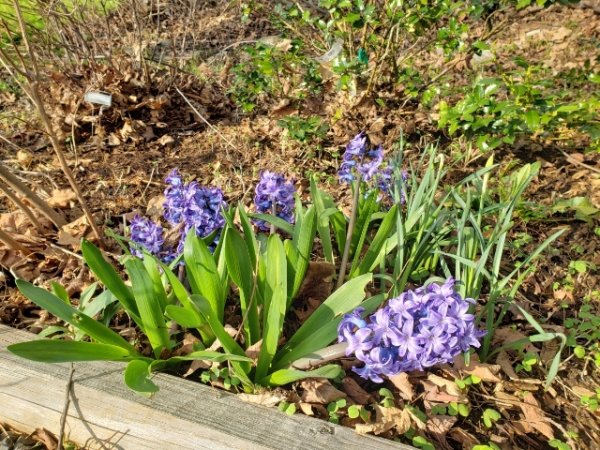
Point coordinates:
[(505, 363), (449, 385), (402, 382), (320, 391), (355, 392), (440, 424), (534, 417), (487, 372), (387, 419), (254, 350), (267, 398), (61, 198)]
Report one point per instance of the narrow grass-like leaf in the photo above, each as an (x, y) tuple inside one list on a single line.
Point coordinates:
[(276, 306), (287, 376), (373, 255), (59, 351), (153, 322), (208, 355), (109, 277), (60, 309)]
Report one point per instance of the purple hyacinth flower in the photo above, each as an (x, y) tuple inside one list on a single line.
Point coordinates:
[(274, 194), (146, 233), (416, 330)]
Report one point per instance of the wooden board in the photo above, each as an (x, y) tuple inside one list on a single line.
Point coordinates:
[(105, 414)]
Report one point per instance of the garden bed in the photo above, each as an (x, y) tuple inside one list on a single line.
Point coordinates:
[(183, 414)]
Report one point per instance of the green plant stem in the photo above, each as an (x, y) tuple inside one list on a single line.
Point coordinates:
[(349, 234)]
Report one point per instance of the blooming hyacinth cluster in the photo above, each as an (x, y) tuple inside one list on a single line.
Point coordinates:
[(358, 157), (190, 205), (418, 329), (147, 234), (186, 206), (274, 195)]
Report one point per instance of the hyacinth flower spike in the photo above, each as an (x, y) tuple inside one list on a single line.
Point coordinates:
[(416, 330), (360, 164), (274, 195)]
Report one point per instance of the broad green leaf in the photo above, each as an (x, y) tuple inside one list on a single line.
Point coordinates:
[(109, 277), (59, 351), (322, 337), (322, 222), (60, 309), (287, 376), (275, 303), (277, 221), (137, 377), (249, 236), (229, 344), (203, 274), (151, 265), (153, 322), (304, 236), (326, 317), (240, 270), (186, 317)]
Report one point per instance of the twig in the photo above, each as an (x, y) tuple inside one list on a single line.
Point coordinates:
[(22, 206), (63, 416), (9, 241), (579, 163), (31, 87), (207, 122), (54, 217), (68, 252)]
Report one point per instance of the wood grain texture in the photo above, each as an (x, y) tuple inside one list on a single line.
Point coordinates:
[(105, 414)]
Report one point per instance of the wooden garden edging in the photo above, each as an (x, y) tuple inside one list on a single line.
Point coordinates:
[(105, 414)]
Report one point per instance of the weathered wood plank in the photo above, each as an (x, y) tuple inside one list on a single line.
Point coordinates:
[(182, 415)]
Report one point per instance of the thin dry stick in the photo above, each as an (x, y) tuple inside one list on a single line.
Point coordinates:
[(579, 163), (207, 122), (63, 416), (56, 218), (32, 87), (10, 242), (22, 206)]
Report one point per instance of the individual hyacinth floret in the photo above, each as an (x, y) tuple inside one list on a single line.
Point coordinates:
[(416, 330), (358, 157), (274, 194)]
